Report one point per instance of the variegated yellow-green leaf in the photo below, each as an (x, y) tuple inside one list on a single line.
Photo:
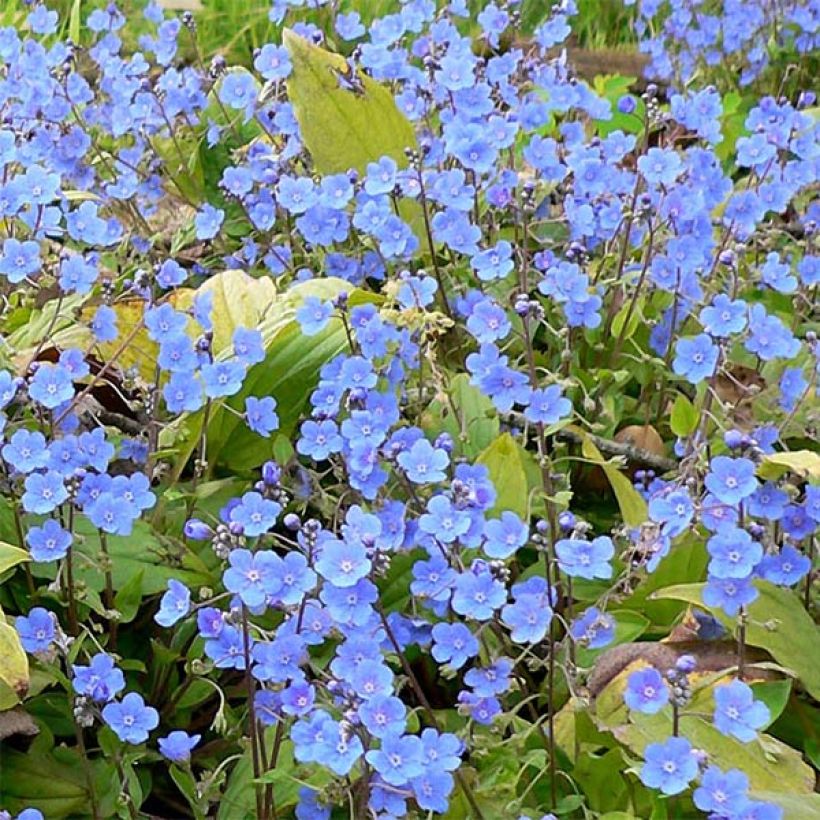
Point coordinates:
[(342, 128), (14, 674)]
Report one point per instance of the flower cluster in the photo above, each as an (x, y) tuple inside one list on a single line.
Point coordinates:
[(332, 415)]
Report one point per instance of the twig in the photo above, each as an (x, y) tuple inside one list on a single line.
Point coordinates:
[(628, 451)]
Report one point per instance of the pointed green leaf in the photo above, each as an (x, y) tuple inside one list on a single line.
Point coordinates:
[(342, 128), (506, 461), (684, 420), (14, 672), (11, 556)]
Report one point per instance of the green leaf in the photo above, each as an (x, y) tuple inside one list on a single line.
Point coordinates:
[(55, 783), (469, 417), (777, 622), (630, 501), (127, 600), (11, 556), (505, 461), (684, 420), (341, 128), (805, 463), (795, 806), (14, 672), (74, 22), (775, 694), (601, 778)]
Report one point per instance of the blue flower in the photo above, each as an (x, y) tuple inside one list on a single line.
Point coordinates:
[(432, 578), (19, 259), (248, 345), (547, 405), (255, 513), (696, 358), (44, 492), (319, 439), (183, 394), (494, 263), (208, 222), (174, 605), (261, 415), (273, 62), (733, 553), (163, 322), (343, 563), (417, 292), (784, 568), (724, 316), (594, 628), (281, 659), (674, 510), (670, 766), (239, 90), (730, 594), (399, 759), (432, 790), (423, 463), (731, 480), (770, 338), (646, 691), (737, 713), (443, 520), (51, 386), (226, 650), (528, 618), (721, 792), (42, 21), (100, 680), (223, 378), (177, 355), (383, 715), (297, 195), (488, 322), (453, 644), (111, 514), (37, 630), (313, 315), (585, 559), (26, 451), (104, 324), (504, 535), (481, 709), (49, 542), (177, 746), (490, 680), (660, 167), (252, 576), (381, 176), (478, 594), (77, 274), (298, 698), (131, 719)]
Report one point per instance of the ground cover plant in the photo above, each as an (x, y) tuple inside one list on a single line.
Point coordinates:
[(395, 424)]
